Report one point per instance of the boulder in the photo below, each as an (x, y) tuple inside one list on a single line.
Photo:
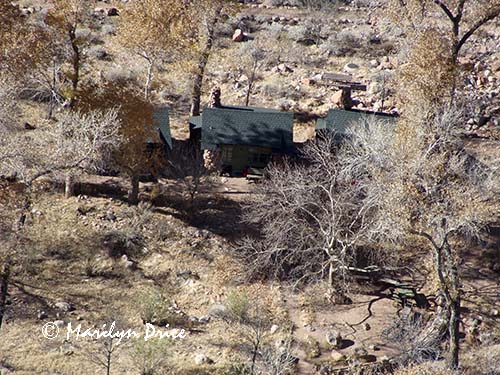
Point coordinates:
[(282, 68), (238, 35), (351, 67), (112, 12), (202, 359), (373, 63), (274, 329), (204, 319), (337, 357), (342, 99), (217, 310), (360, 353), (312, 348), (334, 339), (64, 306)]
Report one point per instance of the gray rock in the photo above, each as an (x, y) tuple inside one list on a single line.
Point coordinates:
[(112, 12), (334, 339), (274, 329), (204, 319), (337, 357), (64, 306), (110, 216), (59, 323), (238, 35), (351, 67), (360, 352), (42, 315), (217, 310), (202, 359)]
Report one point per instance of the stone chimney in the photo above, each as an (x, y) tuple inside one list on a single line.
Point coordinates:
[(215, 98), (342, 98)]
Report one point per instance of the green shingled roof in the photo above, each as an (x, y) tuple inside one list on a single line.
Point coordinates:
[(339, 120), (161, 121), (246, 126)]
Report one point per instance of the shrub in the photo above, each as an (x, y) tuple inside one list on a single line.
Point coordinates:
[(123, 242), (154, 307), (119, 75), (405, 332), (273, 90), (108, 29), (237, 306), (343, 43), (98, 52), (428, 368)]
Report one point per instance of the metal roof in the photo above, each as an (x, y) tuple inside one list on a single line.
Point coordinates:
[(339, 120), (246, 126), (161, 121)]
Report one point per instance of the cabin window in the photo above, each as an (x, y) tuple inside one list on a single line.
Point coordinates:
[(227, 153), (259, 158)]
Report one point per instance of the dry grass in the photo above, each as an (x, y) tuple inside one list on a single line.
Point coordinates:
[(60, 241)]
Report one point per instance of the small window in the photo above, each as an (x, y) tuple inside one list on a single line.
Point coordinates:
[(259, 158), (227, 153)]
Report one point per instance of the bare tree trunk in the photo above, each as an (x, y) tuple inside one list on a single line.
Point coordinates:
[(255, 352), (202, 63), (249, 90), (454, 333), (108, 363), (450, 286), (4, 285), (330, 277), (76, 65), (149, 78), (133, 193), (69, 186), (454, 306), (52, 94)]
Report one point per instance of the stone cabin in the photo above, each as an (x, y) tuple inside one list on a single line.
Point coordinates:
[(235, 139)]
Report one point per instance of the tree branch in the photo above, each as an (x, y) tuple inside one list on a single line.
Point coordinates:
[(446, 10), (494, 13)]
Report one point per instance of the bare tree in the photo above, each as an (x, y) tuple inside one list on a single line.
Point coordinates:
[(65, 19), (464, 17), (312, 218), (427, 188), (150, 356), (156, 30), (186, 165), (252, 323), (104, 351), (211, 14), (76, 142), (250, 60)]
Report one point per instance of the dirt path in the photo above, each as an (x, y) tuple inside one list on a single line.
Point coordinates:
[(348, 319)]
